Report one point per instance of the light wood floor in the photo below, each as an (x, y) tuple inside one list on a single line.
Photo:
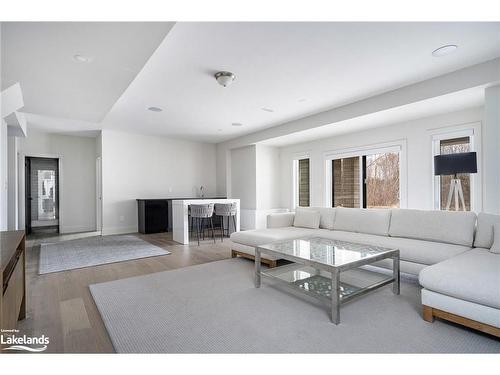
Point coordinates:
[(61, 307)]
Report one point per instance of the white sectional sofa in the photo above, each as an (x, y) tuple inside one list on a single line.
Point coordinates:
[(459, 273)]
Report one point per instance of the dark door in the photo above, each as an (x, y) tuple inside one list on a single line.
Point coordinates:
[(27, 205)]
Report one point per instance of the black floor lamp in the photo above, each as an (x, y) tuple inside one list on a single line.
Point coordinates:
[(451, 164)]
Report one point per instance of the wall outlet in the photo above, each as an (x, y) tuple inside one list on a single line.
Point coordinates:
[(170, 189), (122, 218)]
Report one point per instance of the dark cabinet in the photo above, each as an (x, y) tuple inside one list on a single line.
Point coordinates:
[(153, 215)]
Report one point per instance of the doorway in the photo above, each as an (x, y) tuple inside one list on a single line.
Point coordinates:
[(42, 195)]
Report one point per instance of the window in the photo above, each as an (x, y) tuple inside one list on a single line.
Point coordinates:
[(381, 180), (451, 146), (301, 183), (345, 182), (370, 179)]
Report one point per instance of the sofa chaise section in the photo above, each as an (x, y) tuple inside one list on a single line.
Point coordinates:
[(465, 289)]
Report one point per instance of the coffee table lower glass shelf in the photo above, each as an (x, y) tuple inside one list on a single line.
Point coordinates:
[(319, 284)]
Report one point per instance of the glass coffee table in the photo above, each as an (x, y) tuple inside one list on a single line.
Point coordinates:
[(328, 269)]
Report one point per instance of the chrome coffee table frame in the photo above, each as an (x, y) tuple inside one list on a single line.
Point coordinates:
[(290, 250)]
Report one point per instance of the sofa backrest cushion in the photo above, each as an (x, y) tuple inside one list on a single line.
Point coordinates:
[(495, 248), (439, 226), (306, 218), (362, 220), (484, 230), (327, 216)]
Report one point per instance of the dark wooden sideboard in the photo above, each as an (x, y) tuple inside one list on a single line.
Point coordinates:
[(12, 278), (155, 215)]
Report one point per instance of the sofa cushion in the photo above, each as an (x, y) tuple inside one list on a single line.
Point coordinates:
[(417, 251), (327, 216), (473, 276), (279, 220), (371, 221), (306, 218), (484, 231), (440, 226), (495, 248), (259, 237)]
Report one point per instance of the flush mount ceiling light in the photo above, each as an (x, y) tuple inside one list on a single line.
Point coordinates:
[(444, 50), (224, 78), (155, 109), (237, 124), (81, 58)]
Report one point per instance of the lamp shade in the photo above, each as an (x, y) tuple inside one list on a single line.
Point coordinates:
[(450, 164)]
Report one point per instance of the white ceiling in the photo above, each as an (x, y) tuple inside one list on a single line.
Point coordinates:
[(296, 69), (39, 55), (279, 64)]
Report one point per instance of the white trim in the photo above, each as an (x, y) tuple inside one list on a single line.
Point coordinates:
[(78, 229), (98, 194), (400, 146), (118, 230), (473, 131)]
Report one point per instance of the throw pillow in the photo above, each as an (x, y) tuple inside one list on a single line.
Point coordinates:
[(495, 248), (306, 219)]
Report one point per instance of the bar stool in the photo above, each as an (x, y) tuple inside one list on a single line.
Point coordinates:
[(200, 213), (226, 210)]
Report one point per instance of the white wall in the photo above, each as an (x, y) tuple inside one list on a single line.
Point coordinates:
[(254, 179), (243, 176), (244, 184), (13, 208), (268, 177), (491, 142), (138, 166), (77, 177), (3, 176), (416, 135)]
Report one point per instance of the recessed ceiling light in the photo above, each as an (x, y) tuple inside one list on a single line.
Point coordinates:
[(267, 109), (81, 58), (237, 124), (444, 50), (155, 109)]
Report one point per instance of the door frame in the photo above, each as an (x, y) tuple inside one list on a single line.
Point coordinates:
[(22, 186), (98, 193)]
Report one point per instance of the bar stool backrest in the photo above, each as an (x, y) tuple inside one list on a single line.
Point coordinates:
[(202, 210), (225, 209)]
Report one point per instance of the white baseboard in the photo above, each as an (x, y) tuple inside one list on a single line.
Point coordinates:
[(76, 229), (118, 230)]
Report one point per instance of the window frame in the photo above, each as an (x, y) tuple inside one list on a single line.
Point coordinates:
[(473, 132), (399, 146)]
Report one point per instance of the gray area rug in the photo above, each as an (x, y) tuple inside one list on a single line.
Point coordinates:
[(93, 251), (214, 308)]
